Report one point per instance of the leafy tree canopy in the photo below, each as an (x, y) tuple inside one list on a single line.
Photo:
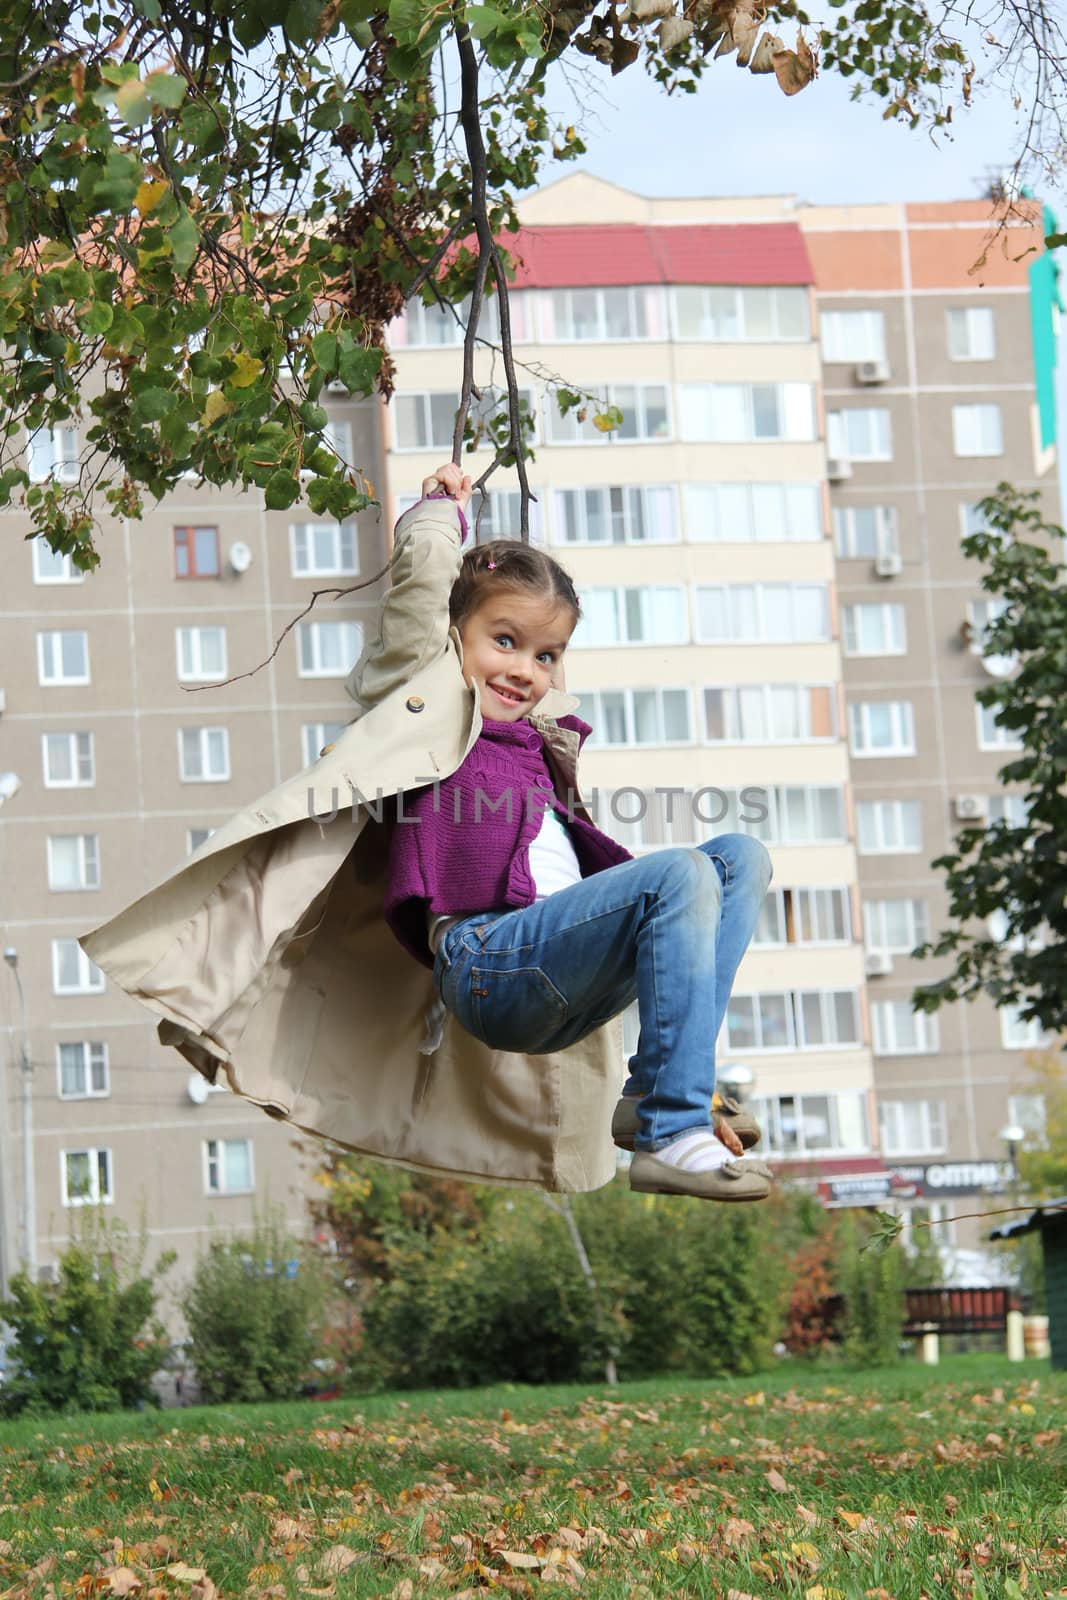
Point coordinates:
[(1007, 881), (208, 212)]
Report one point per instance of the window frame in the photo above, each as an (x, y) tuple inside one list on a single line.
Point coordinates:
[(340, 533), (768, 1109), (894, 849), (994, 746), (622, 590), (322, 739), (192, 632), (76, 680), (760, 600), (203, 732), (88, 863), (642, 492), (223, 1191), (87, 1092), (787, 395), (86, 968), (752, 490), (934, 1120), (875, 351), (981, 454), (803, 710), (586, 433), (311, 631), (968, 313), (65, 465), (639, 297), (840, 445), (190, 847), (189, 545), (74, 735), (884, 1041), (70, 573), (591, 701), (93, 1197), (902, 717), (889, 611), (741, 313), (886, 537), (875, 924)]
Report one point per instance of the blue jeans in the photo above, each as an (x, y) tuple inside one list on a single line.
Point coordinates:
[(668, 930)]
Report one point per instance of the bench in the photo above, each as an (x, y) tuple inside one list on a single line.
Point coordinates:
[(956, 1311)]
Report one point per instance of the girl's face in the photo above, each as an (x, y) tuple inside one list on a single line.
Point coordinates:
[(512, 644)]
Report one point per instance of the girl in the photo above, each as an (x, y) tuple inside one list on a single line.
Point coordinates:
[(267, 955), (541, 928)]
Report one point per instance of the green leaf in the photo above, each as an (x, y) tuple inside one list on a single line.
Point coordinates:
[(184, 239), (165, 89), (358, 368), (132, 103), (98, 318), (280, 491), (152, 404), (324, 351)]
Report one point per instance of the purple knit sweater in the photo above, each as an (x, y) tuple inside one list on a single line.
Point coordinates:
[(463, 845)]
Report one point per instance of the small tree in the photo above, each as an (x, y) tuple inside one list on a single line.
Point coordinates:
[(90, 1341), (873, 1286), (1043, 1163), (253, 1309), (1017, 873)]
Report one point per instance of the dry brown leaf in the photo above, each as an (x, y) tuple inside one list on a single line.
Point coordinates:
[(122, 1580), (794, 69), (775, 1479), (185, 1574), (520, 1558), (763, 55), (404, 1590), (338, 1558), (809, 1518), (851, 1519), (284, 1528), (737, 1530), (6, 1547)]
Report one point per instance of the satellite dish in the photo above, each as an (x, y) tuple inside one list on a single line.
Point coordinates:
[(197, 1088), (1001, 666), (240, 556)]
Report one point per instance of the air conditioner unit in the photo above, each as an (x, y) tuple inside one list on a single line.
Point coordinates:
[(970, 807), (879, 963), (889, 564), (335, 386), (838, 469), (868, 372), (48, 1273)]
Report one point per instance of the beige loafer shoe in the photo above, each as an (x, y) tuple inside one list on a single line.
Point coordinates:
[(734, 1181), (744, 1124)]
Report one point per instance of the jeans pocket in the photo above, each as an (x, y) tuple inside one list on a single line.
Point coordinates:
[(520, 1009)]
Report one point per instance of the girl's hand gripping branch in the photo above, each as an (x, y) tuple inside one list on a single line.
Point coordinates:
[(449, 480)]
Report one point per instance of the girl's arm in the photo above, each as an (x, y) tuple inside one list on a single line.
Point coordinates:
[(413, 620)]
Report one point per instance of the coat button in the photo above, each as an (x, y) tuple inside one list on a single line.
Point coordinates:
[(325, 750), (416, 702)]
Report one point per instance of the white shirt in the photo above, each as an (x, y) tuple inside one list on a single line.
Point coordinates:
[(553, 863)]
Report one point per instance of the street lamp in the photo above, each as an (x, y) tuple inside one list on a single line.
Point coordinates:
[(29, 1207), (734, 1079), (1013, 1136)]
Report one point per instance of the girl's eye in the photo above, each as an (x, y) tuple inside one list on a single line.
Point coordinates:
[(546, 657), (503, 639)]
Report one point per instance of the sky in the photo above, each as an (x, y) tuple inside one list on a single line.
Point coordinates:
[(739, 134)]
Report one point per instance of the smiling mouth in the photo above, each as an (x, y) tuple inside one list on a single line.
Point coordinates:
[(510, 697)]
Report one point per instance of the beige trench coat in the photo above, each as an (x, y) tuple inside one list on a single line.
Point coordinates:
[(267, 954)]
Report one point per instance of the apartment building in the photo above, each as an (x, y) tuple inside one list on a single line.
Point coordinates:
[(698, 534), (938, 342), (126, 761)]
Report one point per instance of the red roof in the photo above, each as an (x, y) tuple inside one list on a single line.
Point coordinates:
[(628, 253)]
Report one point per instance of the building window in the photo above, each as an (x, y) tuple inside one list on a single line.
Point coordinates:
[(327, 649), (804, 1020), (881, 728), (971, 334), (912, 1127), (852, 335), (615, 516), (228, 1166), (863, 533), (590, 316), (1029, 1112), (502, 516), (747, 513), (201, 654), (770, 713), (322, 549), (625, 718), (1017, 1034), (645, 416), (652, 615), (73, 861), (874, 630), (83, 1070), (204, 755), (805, 916), (426, 420), (72, 971), (888, 827), (434, 326), (894, 927), (792, 814), (860, 434), (62, 657), (763, 613), (742, 413), (1010, 809), (973, 520), (51, 567), (68, 760), (53, 453), (86, 1177), (812, 1124), (725, 313), (337, 436), (315, 736), (977, 431), (992, 734), (195, 837), (196, 552), (900, 1031)]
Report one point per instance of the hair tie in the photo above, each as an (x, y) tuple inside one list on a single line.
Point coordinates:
[(491, 565)]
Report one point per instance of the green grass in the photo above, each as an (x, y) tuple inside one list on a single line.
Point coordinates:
[(908, 1483)]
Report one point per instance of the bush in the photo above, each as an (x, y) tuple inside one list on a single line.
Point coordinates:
[(873, 1284), (90, 1341), (253, 1308), (682, 1287)]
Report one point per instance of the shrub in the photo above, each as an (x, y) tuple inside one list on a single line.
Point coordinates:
[(253, 1308), (873, 1284), (813, 1315), (91, 1340)]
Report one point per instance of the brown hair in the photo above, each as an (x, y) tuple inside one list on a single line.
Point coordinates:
[(508, 564)]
